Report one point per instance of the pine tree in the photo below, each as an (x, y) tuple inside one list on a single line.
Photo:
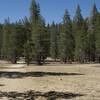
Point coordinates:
[(28, 41), (13, 45), (38, 34), (48, 30), (91, 34), (21, 37), (21, 33), (1, 36), (34, 12), (80, 36), (41, 42), (9, 42), (54, 41), (27, 28), (98, 38), (34, 17), (66, 39), (28, 52), (6, 40)]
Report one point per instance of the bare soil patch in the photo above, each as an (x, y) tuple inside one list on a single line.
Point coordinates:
[(50, 82)]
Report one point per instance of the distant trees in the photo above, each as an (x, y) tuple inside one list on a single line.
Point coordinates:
[(76, 39), (6, 41), (38, 34), (66, 47), (1, 36), (92, 34), (80, 36), (97, 42), (28, 52), (54, 38)]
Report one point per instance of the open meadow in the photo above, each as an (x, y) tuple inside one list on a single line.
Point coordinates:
[(50, 82)]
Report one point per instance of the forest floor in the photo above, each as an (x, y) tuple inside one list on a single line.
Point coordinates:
[(50, 82)]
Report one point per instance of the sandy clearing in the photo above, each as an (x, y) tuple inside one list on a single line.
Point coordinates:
[(88, 83), (17, 66)]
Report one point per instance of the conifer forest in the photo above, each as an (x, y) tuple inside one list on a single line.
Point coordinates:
[(72, 40), (43, 57)]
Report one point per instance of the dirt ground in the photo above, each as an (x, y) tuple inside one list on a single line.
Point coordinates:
[(67, 82)]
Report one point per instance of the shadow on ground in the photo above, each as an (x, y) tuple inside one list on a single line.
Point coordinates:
[(32, 95), (2, 85), (6, 74)]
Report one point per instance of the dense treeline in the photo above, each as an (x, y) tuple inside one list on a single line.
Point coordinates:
[(76, 39)]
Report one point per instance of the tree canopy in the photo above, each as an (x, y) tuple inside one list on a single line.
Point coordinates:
[(74, 39)]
